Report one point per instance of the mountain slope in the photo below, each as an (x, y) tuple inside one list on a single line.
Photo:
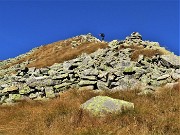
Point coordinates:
[(133, 70), (64, 50), (121, 65), (56, 52)]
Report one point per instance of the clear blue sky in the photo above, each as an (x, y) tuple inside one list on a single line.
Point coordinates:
[(28, 24)]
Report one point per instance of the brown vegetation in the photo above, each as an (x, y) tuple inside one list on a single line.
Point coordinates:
[(154, 114), (58, 52), (146, 52), (140, 50), (49, 55)]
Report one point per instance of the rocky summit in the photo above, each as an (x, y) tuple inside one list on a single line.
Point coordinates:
[(115, 66)]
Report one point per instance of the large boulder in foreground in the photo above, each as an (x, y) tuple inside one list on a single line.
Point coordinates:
[(101, 105)]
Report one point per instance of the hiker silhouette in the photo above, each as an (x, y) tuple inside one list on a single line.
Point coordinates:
[(102, 35)]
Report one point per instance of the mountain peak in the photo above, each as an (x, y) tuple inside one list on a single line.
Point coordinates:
[(85, 61), (60, 51)]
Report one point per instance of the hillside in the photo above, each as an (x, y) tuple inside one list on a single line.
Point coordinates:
[(48, 90), (61, 51), (154, 114), (85, 61), (56, 52)]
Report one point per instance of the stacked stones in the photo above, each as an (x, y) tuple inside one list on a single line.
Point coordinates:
[(83, 39), (89, 38), (105, 69), (134, 38)]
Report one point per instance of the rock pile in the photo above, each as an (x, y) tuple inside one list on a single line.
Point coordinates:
[(12, 60), (78, 40), (134, 38), (105, 69)]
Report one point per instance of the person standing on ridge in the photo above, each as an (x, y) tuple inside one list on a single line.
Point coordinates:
[(102, 35)]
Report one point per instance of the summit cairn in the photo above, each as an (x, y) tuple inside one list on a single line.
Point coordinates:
[(88, 38), (134, 38)]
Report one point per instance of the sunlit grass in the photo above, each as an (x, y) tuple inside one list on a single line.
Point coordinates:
[(57, 52), (154, 114)]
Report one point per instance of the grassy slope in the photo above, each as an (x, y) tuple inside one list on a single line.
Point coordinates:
[(58, 52), (61, 51), (156, 114)]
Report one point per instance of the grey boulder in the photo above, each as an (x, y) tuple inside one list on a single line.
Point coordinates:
[(102, 105)]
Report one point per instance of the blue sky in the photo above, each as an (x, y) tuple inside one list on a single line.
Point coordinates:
[(27, 24)]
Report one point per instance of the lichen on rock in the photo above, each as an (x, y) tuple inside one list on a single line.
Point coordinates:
[(102, 105)]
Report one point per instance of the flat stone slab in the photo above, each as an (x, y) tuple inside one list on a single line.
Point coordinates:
[(171, 60), (10, 89), (86, 83), (163, 77)]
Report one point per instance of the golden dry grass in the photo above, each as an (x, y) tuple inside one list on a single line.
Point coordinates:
[(156, 114), (140, 50), (49, 55), (57, 52), (146, 52)]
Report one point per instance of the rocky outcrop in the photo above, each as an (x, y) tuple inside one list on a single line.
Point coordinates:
[(105, 69), (102, 105)]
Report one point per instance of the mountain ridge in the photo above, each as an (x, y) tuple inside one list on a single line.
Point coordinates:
[(124, 87), (54, 51), (85, 61)]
